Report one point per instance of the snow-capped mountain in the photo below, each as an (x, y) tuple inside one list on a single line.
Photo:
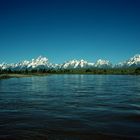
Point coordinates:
[(76, 64), (43, 63), (4, 66), (132, 62), (38, 63), (102, 64)]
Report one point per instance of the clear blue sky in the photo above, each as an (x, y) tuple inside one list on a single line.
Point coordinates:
[(67, 29)]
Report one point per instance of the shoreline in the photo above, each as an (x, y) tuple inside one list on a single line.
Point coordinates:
[(7, 76), (14, 75)]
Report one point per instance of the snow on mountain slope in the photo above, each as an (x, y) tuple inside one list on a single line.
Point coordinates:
[(102, 64), (132, 62), (39, 63), (4, 66), (43, 63), (76, 64)]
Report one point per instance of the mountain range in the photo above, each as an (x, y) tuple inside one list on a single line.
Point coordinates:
[(43, 63)]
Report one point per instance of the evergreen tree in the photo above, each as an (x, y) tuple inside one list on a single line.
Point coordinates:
[(137, 70)]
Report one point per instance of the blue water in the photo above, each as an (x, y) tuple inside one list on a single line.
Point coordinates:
[(70, 107)]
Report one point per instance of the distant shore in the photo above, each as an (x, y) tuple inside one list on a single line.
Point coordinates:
[(8, 73), (7, 76), (22, 75)]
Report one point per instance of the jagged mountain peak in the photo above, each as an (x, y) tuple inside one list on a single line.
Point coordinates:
[(135, 58), (75, 64), (102, 63), (137, 55), (43, 63), (40, 59), (132, 62), (75, 60)]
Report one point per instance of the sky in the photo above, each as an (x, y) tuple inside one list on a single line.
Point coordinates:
[(62, 30)]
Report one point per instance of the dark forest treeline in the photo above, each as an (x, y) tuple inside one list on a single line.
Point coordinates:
[(75, 71)]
